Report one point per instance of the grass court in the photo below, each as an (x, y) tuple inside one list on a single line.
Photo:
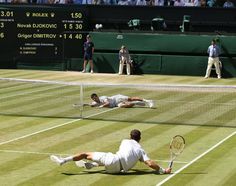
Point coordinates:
[(37, 119)]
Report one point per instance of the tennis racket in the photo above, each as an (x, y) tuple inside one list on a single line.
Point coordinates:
[(176, 148), (81, 105)]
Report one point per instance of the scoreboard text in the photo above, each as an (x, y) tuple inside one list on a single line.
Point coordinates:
[(42, 32)]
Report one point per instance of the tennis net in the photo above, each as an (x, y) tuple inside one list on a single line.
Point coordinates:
[(199, 105)]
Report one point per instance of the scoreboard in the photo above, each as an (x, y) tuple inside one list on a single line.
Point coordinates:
[(33, 31)]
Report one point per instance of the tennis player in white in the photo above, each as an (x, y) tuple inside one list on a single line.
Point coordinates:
[(129, 153), (119, 100)]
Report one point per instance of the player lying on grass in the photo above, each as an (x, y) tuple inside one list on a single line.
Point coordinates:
[(119, 100), (129, 153)]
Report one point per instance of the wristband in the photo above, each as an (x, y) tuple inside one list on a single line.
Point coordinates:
[(162, 171)]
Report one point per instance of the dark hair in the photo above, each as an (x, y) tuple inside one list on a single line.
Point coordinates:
[(93, 95), (135, 135)]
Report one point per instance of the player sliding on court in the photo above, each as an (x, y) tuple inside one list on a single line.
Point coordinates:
[(119, 100), (129, 153)]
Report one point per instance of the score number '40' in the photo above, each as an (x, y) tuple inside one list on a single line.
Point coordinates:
[(72, 36)]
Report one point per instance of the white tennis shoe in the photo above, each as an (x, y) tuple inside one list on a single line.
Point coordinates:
[(150, 103), (84, 164), (57, 160)]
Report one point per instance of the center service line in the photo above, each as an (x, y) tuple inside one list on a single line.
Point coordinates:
[(197, 158), (50, 128)]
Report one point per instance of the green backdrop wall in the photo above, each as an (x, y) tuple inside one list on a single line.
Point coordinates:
[(173, 54)]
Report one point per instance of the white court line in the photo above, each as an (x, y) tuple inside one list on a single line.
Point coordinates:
[(30, 152), (49, 153), (50, 128), (197, 158), (30, 92)]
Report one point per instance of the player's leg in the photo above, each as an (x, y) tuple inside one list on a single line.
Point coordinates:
[(128, 68), (91, 65), (84, 65), (60, 160), (209, 66), (90, 59), (121, 66), (150, 103), (217, 66), (80, 156), (135, 99), (88, 156), (126, 104), (83, 155)]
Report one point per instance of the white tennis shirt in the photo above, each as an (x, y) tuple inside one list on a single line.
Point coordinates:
[(110, 100), (130, 152)]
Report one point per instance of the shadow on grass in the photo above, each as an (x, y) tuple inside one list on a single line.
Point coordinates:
[(130, 173)]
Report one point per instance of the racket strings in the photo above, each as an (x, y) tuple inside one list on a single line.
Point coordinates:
[(177, 145)]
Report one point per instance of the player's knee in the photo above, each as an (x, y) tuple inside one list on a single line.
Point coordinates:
[(84, 155), (121, 105)]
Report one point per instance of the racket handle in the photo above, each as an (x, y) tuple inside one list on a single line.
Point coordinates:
[(170, 165)]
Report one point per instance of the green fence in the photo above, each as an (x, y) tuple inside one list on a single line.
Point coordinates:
[(173, 54), (169, 54)]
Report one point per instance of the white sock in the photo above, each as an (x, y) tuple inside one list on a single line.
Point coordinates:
[(140, 103), (69, 158), (146, 100), (162, 170), (95, 164)]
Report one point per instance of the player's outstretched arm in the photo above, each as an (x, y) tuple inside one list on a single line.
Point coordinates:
[(152, 164), (106, 104)]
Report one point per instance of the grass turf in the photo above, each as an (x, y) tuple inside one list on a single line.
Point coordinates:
[(49, 125)]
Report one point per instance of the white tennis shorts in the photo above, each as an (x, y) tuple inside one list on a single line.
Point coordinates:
[(109, 160), (119, 98)]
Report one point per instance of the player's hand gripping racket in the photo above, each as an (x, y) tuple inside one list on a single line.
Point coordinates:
[(81, 105), (176, 148)]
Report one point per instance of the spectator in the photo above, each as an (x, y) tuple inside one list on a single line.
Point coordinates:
[(63, 2), (191, 3), (149, 2), (87, 2), (178, 3), (132, 2), (109, 2), (203, 3), (78, 2), (228, 4), (158, 3), (19, 1), (5, 1), (196, 3), (141, 3), (123, 2), (211, 3)]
